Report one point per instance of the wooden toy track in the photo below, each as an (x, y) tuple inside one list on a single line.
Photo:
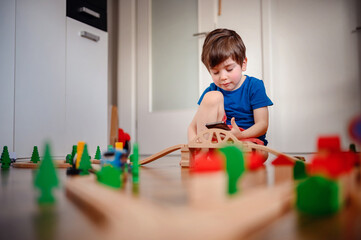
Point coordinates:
[(213, 138)]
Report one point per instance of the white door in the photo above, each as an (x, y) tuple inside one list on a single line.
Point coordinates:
[(167, 72), (167, 90)]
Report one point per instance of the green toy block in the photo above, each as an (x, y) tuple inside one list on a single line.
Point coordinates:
[(110, 147), (46, 178), (235, 165), (35, 155), (318, 196), (5, 158), (85, 163), (98, 154), (110, 176), (135, 161), (299, 170)]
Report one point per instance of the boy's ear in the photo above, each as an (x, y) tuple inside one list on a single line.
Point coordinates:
[(244, 65)]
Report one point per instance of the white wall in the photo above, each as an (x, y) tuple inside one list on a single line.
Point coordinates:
[(7, 71), (315, 77)]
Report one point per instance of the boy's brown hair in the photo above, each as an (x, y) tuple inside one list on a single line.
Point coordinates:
[(221, 44)]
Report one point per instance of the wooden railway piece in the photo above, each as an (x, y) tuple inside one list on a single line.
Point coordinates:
[(161, 154), (208, 139), (217, 138), (58, 164), (125, 216)]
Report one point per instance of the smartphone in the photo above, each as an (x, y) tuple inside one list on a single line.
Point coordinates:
[(220, 125)]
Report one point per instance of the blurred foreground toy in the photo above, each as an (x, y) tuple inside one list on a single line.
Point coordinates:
[(46, 178), (328, 181), (208, 185)]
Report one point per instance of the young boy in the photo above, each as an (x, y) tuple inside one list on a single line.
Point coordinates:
[(239, 100)]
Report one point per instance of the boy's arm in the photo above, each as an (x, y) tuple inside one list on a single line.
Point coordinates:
[(192, 129), (258, 129)]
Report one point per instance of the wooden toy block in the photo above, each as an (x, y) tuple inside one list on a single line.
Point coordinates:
[(283, 169), (207, 190), (253, 179), (113, 126), (283, 174), (185, 156), (123, 214)]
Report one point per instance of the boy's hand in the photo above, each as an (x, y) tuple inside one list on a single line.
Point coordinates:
[(235, 129)]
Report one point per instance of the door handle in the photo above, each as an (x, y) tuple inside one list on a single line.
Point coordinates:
[(89, 12), (89, 36)]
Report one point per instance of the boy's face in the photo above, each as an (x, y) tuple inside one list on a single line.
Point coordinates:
[(228, 74)]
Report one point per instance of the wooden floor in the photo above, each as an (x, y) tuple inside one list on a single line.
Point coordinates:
[(162, 182)]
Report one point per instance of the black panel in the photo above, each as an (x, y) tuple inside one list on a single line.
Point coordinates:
[(98, 6)]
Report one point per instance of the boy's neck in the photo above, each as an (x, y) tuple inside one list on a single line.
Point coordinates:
[(243, 78)]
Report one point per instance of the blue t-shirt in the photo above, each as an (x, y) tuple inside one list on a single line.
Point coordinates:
[(241, 102)]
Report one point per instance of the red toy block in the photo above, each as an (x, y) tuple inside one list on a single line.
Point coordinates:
[(210, 161), (255, 161), (282, 160), (329, 143), (332, 164), (123, 136)]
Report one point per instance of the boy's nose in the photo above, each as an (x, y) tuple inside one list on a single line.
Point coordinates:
[(223, 76)]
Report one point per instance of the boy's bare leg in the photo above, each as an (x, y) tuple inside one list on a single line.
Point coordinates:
[(210, 110)]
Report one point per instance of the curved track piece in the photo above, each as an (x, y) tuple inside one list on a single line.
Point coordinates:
[(161, 154), (267, 149)]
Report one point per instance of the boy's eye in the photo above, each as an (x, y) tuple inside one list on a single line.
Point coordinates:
[(229, 69), (215, 73)]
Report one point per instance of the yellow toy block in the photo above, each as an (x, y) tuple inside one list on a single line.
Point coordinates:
[(79, 153)]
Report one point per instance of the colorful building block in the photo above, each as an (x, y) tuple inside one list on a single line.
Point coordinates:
[(206, 162), (329, 143), (299, 170), (318, 196), (110, 176), (235, 166)]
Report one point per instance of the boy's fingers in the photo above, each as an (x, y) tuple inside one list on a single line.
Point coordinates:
[(233, 122)]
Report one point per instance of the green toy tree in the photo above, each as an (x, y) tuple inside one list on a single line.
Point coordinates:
[(98, 154), (85, 164), (135, 161), (70, 157), (35, 156), (5, 158), (46, 178), (235, 166)]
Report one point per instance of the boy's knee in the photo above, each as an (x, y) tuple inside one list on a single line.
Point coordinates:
[(212, 98)]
